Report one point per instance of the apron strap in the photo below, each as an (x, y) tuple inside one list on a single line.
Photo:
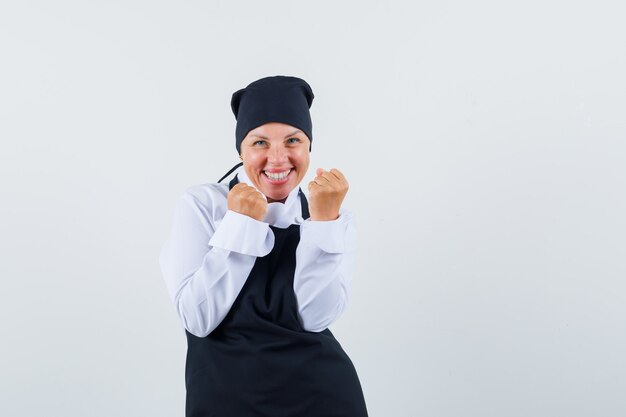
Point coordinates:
[(233, 182), (305, 205), (231, 170)]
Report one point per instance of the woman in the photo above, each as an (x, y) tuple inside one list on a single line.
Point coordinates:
[(257, 273)]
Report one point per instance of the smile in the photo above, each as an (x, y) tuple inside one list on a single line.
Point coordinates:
[(277, 177)]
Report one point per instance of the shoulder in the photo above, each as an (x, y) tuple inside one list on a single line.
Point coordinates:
[(207, 193), (209, 198)]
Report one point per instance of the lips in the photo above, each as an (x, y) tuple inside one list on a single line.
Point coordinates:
[(277, 176)]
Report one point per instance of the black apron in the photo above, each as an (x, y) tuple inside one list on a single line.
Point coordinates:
[(260, 362)]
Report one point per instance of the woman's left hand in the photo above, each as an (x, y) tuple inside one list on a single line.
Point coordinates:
[(326, 193)]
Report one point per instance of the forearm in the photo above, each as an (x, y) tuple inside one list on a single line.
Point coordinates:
[(205, 263), (324, 267), (204, 298)]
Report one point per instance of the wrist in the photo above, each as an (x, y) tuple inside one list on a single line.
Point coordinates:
[(327, 218)]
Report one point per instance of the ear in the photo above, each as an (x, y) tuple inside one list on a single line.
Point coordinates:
[(236, 100)]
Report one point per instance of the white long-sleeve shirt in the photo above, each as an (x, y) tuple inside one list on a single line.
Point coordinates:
[(211, 251)]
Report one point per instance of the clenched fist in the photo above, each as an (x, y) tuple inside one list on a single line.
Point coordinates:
[(326, 193), (245, 199)]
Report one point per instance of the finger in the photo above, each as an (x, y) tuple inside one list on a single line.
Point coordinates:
[(312, 185), (239, 187), (332, 179), (250, 193), (319, 171), (260, 195), (324, 178), (322, 181), (245, 189), (338, 174)]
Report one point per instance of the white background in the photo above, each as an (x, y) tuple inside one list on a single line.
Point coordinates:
[(485, 146)]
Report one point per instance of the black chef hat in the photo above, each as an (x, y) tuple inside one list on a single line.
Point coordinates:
[(278, 98)]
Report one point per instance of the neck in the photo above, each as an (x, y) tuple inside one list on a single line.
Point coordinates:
[(271, 200)]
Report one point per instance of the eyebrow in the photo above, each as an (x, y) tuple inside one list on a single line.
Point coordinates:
[(291, 134)]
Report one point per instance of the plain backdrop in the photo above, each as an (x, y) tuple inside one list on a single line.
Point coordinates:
[(484, 143)]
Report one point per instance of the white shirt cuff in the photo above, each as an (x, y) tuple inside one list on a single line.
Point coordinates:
[(242, 234), (329, 236)]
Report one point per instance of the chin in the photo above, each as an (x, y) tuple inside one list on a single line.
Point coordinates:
[(277, 197), (277, 192)]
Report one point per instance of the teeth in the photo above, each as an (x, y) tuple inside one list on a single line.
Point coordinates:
[(277, 175)]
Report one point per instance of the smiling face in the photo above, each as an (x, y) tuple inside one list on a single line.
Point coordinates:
[(275, 157)]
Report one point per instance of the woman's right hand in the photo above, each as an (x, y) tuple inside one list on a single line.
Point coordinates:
[(245, 199)]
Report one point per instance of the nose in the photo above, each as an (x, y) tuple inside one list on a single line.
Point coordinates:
[(277, 154)]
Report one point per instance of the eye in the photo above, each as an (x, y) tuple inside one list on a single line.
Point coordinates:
[(296, 140), (258, 141)]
